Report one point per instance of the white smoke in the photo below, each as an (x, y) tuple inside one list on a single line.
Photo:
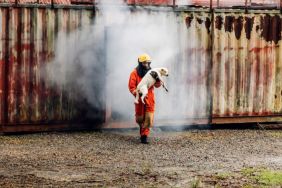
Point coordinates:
[(112, 44)]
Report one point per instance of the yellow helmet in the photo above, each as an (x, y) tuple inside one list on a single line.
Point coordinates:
[(144, 58)]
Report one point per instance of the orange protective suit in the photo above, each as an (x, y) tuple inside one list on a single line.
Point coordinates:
[(144, 114)]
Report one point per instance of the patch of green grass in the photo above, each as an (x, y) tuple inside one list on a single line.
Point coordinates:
[(268, 177), (263, 176), (248, 171), (277, 134)]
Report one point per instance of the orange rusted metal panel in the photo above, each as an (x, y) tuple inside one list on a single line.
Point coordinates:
[(246, 119), (195, 63), (204, 3), (82, 2), (3, 52), (244, 53), (27, 44), (232, 3), (207, 3), (12, 66), (150, 2), (246, 64), (64, 2)]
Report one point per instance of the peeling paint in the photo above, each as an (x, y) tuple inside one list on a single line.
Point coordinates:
[(238, 26), (188, 20), (218, 22), (248, 26), (228, 23), (271, 28), (199, 20), (208, 24)]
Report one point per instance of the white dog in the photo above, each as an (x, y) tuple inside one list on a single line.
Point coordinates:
[(148, 81)]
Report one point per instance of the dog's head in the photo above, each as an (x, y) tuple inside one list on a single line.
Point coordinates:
[(164, 71)]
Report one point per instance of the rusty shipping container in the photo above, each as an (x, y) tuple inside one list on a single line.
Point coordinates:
[(235, 59), (63, 2), (203, 3), (246, 66), (27, 43), (209, 3)]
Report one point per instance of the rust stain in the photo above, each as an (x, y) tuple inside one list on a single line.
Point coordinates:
[(231, 48), (218, 22), (257, 28), (218, 61), (199, 20), (188, 21), (228, 48), (265, 49), (271, 28), (276, 28), (248, 26), (228, 23), (208, 24), (238, 26), (26, 46)]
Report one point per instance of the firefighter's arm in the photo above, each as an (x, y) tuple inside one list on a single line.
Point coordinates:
[(132, 84)]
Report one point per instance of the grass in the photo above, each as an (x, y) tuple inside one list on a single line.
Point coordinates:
[(223, 176), (246, 178), (248, 171), (277, 134), (268, 177), (263, 177), (196, 183)]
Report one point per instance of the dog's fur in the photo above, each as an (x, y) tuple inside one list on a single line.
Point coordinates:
[(148, 81)]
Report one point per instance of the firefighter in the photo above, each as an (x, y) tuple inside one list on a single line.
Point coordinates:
[(144, 113)]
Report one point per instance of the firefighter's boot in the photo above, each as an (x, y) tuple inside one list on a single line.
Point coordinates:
[(144, 139)]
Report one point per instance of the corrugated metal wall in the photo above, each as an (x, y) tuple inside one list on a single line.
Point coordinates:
[(195, 62), (150, 2), (65, 2), (245, 49), (27, 43), (247, 64), (205, 3)]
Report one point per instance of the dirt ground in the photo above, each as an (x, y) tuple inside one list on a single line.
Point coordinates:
[(192, 158)]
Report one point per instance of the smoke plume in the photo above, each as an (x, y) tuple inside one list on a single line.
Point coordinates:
[(96, 61)]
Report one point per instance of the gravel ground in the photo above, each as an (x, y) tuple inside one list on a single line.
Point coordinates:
[(117, 159)]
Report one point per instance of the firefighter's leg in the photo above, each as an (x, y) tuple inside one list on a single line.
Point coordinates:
[(144, 132), (148, 123), (140, 122), (140, 115), (149, 120)]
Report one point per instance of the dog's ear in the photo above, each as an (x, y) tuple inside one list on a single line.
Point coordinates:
[(163, 70)]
